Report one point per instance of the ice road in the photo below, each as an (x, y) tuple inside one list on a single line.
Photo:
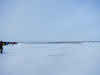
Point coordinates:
[(55, 59)]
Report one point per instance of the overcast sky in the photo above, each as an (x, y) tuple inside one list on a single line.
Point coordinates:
[(49, 20)]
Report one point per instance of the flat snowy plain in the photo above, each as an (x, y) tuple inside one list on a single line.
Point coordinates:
[(51, 59)]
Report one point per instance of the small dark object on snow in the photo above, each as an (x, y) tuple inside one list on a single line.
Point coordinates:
[(1, 47)]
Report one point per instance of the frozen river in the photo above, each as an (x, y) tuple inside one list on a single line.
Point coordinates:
[(55, 59)]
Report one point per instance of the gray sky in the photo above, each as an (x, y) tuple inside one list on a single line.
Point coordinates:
[(49, 20)]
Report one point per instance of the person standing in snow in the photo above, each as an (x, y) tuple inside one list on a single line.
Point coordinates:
[(1, 47)]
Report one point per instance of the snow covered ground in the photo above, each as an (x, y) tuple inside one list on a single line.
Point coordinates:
[(55, 59)]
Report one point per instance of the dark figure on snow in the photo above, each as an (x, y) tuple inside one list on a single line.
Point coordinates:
[(1, 47)]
